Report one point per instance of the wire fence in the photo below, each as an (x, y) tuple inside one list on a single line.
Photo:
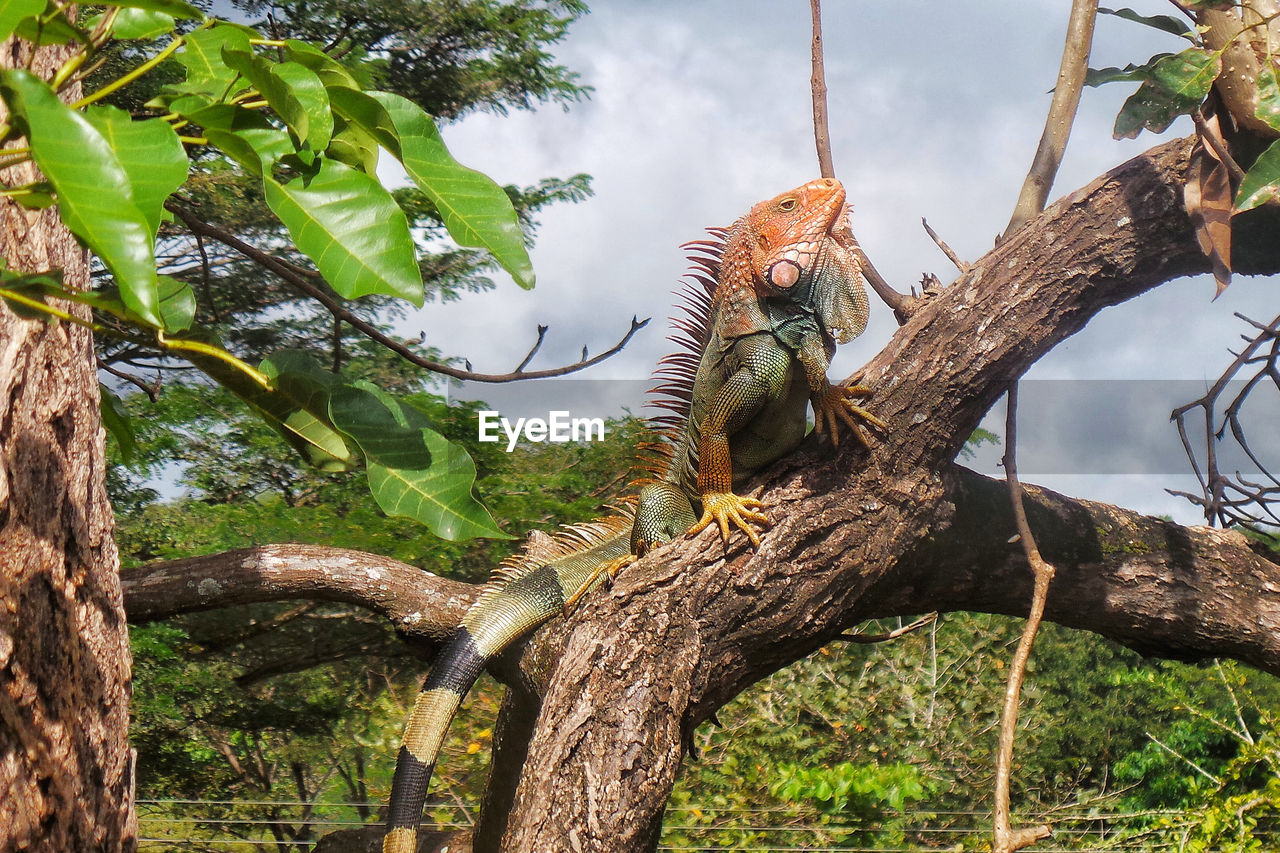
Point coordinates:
[(287, 825)]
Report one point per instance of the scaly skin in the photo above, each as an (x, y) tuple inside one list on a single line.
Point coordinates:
[(782, 287)]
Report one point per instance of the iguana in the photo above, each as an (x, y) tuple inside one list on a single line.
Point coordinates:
[(767, 299)]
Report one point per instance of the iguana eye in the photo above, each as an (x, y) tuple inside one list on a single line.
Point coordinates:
[(787, 204)]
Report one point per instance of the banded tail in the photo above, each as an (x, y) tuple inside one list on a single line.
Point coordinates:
[(523, 594)]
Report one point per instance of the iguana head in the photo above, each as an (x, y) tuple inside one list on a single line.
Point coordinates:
[(787, 233)]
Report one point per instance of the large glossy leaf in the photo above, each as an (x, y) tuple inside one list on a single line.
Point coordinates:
[(295, 405), (352, 229), (1262, 182), (243, 135), (151, 155), (95, 197), (1177, 85), (50, 26), (201, 54), (13, 11), (292, 90), (352, 145), (1165, 23), (330, 71), (177, 304), (414, 472), (474, 208), (141, 24)]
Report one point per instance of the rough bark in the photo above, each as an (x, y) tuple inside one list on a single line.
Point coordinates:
[(65, 768)]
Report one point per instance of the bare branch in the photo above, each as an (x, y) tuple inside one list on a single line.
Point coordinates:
[(818, 88), (420, 604), (151, 389), (1240, 501), (900, 631), (1006, 839), (946, 250), (298, 280), (1062, 113)]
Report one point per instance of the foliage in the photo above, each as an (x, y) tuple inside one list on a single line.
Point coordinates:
[(297, 131), (1176, 84)]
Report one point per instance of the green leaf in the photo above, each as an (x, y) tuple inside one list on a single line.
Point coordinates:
[(294, 92), (414, 472), (474, 208), (177, 304), (243, 135), (13, 11), (360, 110), (1165, 23), (352, 145), (50, 26), (313, 123), (201, 54), (295, 406), (1177, 86), (1269, 95), (330, 71), (176, 8), (95, 196), (115, 417), (1261, 183), (352, 229), (304, 387), (1111, 74), (151, 154), (141, 24)]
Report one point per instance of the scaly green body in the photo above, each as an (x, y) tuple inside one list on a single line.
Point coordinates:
[(769, 298)]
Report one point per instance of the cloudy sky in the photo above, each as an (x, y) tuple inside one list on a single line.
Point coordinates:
[(701, 108)]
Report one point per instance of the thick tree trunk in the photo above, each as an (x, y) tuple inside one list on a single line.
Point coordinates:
[(66, 779)]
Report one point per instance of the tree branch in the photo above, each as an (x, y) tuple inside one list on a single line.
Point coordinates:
[(421, 605), (1062, 113), (1006, 839), (818, 89), (299, 280)]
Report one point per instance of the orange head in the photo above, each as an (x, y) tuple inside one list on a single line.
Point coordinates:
[(786, 233)]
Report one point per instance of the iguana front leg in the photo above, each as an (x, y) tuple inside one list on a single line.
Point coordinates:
[(834, 404), (762, 376)]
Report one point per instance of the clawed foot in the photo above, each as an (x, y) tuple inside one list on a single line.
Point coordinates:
[(608, 567), (838, 404), (726, 507)]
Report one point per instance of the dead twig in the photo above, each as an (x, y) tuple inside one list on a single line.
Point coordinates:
[(1007, 839), (901, 630), (818, 87), (903, 305), (946, 250)]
